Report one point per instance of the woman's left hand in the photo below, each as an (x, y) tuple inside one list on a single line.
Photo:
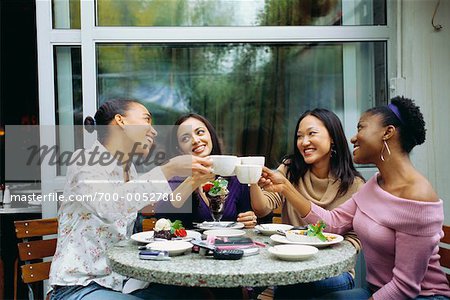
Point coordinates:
[(248, 218)]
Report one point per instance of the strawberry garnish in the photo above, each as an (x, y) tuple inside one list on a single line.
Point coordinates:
[(180, 232), (207, 186)]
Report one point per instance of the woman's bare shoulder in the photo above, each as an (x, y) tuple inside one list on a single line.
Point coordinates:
[(420, 189)]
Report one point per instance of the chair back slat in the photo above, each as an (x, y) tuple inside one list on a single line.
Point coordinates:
[(31, 248), (35, 272), (277, 215), (445, 257), (148, 224), (276, 220), (36, 249), (33, 228)]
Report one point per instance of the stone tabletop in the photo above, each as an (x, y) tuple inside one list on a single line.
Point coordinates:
[(257, 270)]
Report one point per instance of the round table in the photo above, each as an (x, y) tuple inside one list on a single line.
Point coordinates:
[(257, 270)]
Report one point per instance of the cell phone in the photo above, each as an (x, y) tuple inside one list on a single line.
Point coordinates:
[(228, 254), (203, 247), (233, 241), (154, 255)]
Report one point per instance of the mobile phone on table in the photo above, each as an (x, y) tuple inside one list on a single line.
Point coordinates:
[(203, 247), (228, 254), (233, 241), (154, 255)]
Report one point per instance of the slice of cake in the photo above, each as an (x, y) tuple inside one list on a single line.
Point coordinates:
[(165, 229), (162, 229)]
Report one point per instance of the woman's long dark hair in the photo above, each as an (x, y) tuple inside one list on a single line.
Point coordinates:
[(173, 143), (341, 164)]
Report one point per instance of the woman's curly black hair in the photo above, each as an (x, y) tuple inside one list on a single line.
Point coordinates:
[(410, 125)]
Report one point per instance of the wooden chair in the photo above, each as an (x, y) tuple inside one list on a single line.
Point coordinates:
[(148, 224), (33, 249), (277, 215), (444, 250), (267, 294)]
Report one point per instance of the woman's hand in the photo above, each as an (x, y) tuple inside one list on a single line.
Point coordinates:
[(248, 218), (272, 181), (198, 179), (187, 165)]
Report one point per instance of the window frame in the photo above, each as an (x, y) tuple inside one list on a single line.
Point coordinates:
[(90, 35)]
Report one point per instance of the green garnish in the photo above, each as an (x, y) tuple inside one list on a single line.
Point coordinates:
[(317, 230), (216, 187), (177, 224)]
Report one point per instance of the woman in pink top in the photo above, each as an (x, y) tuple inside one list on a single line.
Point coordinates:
[(397, 215)]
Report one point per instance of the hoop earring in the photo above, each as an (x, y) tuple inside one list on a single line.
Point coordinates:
[(333, 150), (385, 146)]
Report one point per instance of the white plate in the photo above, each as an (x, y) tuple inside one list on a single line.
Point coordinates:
[(173, 247), (293, 252), (147, 236), (224, 232), (283, 240), (268, 229), (221, 225)]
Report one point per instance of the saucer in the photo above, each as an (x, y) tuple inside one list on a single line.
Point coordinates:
[(147, 236), (173, 247), (224, 232), (293, 252), (221, 225), (269, 229)]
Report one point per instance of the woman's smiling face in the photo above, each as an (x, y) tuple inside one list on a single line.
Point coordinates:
[(368, 141), (138, 127), (194, 138), (314, 141)]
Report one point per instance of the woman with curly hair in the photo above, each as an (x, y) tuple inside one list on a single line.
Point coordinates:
[(397, 215)]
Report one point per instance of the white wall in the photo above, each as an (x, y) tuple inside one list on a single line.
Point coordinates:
[(426, 67)]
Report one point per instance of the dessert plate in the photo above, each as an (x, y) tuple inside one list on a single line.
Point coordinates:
[(293, 252), (221, 225), (173, 247), (224, 232), (269, 229), (283, 240), (147, 236)]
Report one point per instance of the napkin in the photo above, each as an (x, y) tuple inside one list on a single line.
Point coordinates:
[(133, 284)]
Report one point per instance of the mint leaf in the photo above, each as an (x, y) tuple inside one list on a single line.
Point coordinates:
[(177, 224)]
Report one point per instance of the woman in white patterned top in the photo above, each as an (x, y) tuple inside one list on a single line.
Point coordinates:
[(100, 204)]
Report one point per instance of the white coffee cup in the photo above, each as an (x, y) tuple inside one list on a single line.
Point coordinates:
[(248, 173), (253, 160), (224, 164)]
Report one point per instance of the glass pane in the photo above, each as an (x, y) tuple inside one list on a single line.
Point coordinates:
[(252, 93), (240, 12), (69, 105), (66, 14)]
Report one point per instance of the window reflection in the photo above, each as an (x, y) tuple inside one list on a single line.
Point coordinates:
[(253, 93), (239, 12), (66, 14), (68, 97)]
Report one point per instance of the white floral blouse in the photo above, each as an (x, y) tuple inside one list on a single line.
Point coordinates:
[(86, 229)]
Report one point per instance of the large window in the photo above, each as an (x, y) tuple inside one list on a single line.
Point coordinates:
[(250, 66), (253, 93)]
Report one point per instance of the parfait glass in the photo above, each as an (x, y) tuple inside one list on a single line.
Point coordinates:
[(216, 206)]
